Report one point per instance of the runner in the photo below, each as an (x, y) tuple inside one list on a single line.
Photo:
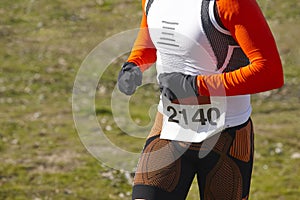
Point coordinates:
[(210, 56)]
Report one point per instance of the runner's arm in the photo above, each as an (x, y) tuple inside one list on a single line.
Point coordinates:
[(246, 23), (143, 53)]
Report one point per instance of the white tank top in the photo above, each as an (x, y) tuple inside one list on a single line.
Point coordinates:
[(189, 38)]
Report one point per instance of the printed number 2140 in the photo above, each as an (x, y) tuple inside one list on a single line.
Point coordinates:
[(199, 116)]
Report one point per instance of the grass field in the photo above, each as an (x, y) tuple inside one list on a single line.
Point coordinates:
[(43, 44)]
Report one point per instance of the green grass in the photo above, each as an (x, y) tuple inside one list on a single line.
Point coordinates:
[(43, 45)]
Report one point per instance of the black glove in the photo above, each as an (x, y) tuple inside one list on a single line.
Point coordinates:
[(129, 78), (177, 85)]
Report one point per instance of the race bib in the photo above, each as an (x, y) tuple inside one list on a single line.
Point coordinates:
[(193, 123)]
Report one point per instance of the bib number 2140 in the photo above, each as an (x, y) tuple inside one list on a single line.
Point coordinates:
[(200, 115)]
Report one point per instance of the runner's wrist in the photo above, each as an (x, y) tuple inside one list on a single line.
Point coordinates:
[(201, 86)]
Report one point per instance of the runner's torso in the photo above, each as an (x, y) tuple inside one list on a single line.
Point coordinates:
[(190, 38)]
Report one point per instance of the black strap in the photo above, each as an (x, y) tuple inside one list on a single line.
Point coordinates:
[(148, 6)]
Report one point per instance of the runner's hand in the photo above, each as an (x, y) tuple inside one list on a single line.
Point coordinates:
[(129, 78), (177, 85)]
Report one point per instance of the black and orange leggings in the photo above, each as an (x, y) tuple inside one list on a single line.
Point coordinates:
[(223, 166)]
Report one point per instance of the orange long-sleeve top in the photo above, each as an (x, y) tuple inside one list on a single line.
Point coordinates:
[(247, 25)]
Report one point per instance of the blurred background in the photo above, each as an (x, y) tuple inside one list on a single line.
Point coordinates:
[(42, 46)]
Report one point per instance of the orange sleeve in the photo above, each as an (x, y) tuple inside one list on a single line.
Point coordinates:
[(246, 23), (143, 53)]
